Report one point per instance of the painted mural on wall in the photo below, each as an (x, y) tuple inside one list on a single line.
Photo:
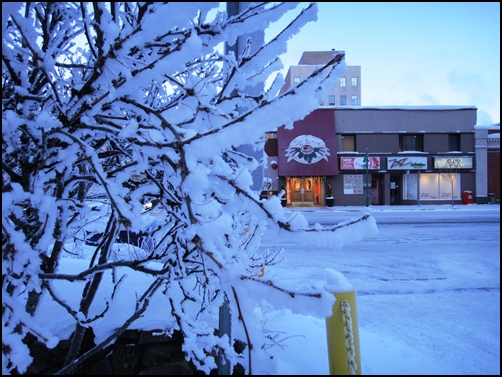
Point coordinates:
[(308, 149)]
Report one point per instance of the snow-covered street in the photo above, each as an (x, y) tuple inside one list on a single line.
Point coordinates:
[(428, 291)]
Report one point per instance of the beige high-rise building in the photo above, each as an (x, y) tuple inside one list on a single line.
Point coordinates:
[(347, 88)]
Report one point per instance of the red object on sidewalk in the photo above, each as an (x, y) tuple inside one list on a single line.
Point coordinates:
[(467, 197)]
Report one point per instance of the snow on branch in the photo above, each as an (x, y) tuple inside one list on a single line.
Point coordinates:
[(114, 111)]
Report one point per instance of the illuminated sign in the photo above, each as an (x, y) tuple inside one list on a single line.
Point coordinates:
[(406, 163), (453, 162), (358, 163)]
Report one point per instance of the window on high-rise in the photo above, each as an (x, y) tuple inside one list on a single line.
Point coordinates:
[(354, 81), (270, 135), (354, 101), (342, 82), (297, 80), (331, 100), (411, 143), (454, 142), (343, 100)]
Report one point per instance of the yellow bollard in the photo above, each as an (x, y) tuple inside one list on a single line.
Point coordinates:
[(343, 335)]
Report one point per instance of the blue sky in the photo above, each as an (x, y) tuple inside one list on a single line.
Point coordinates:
[(413, 53)]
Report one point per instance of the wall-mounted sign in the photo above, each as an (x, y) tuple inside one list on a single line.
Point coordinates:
[(307, 149), (359, 163), (453, 162), (406, 163), (352, 184)]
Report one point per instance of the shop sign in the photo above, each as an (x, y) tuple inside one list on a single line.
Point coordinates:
[(359, 163), (453, 162), (406, 163)]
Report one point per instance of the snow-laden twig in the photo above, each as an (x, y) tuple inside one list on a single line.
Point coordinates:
[(146, 111)]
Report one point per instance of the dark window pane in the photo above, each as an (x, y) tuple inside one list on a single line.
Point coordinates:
[(411, 143), (454, 142)]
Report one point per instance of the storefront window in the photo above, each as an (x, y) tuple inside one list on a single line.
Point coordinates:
[(432, 186), (410, 187)]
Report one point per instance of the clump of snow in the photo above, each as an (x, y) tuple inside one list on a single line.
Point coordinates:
[(333, 238), (336, 282)]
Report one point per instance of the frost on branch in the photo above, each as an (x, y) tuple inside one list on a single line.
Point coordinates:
[(112, 112)]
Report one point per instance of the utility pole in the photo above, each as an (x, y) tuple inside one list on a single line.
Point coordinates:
[(367, 180), (258, 38)]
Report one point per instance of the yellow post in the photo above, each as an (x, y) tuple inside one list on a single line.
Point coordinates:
[(343, 335)]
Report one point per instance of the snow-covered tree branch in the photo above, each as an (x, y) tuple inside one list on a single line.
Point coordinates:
[(111, 108)]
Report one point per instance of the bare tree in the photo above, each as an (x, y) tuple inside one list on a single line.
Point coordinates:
[(135, 102), (449, 171)]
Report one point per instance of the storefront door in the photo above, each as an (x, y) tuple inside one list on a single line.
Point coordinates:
[(374, 191), (395, 190), (304, 191)]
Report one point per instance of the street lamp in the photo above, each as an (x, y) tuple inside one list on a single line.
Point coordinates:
[(418, 188)]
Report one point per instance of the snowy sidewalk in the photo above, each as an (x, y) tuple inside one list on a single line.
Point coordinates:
[(398, 208)]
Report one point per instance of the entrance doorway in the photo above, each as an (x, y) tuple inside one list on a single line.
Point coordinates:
[(375, 190), (395, 189), (304, 191)]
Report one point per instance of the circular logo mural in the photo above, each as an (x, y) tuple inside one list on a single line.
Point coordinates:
[(307, 149)]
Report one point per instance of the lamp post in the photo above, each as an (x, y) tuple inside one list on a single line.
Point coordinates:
[(418, 188), (367, 180)]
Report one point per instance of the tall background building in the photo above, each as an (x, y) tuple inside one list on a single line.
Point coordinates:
[(347, 88), (345, 92)]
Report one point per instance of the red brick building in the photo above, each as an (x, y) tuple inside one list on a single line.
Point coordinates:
[(493, 155)]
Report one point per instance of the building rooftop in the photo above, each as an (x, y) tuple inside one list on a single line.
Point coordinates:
[(317, 57)]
